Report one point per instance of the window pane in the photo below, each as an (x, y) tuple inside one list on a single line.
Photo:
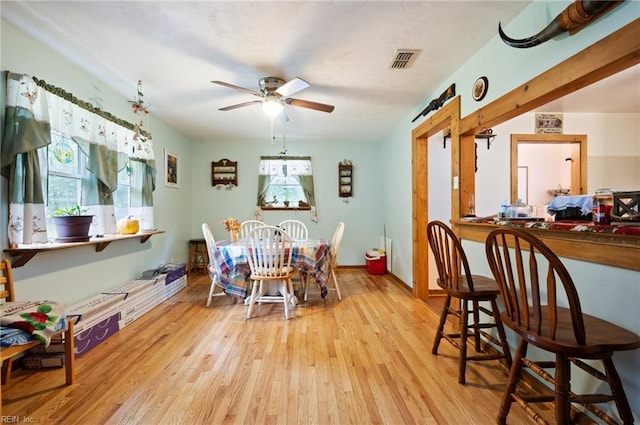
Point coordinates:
[(63, 192), (121, 195), (284, 189), (63, 156)]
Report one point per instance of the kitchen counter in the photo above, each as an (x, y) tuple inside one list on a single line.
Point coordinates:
[(614, 245)]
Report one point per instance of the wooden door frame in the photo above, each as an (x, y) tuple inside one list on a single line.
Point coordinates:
[(612, 54), (447, 118)]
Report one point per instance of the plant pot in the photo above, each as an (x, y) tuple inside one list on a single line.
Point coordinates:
[(72, 228)]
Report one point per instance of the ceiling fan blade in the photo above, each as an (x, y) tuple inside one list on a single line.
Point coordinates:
[(239, 105), (291, 87), (309, 105), (231, 86)]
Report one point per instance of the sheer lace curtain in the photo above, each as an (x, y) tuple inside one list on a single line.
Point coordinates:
[(31, 114), (297, 166)]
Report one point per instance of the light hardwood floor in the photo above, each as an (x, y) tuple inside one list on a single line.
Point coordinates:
[(363, 360)]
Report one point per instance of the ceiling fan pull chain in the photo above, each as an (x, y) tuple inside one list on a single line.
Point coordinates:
[(273, 134)]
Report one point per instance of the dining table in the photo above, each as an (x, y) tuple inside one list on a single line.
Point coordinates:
[(313, 257)]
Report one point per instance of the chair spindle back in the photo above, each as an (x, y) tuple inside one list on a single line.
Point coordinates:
[(532, 281), (448, 254)]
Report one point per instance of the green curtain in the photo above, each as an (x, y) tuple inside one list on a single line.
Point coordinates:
[(26, 131), (307, 186), (143, 182)]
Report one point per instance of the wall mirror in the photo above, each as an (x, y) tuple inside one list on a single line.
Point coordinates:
[(551, 164)]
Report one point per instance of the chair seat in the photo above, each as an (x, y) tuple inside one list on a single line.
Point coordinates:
[(483, 288), (260, 273), (602, 336)]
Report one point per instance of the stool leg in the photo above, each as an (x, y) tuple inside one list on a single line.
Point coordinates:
[(618, 391), (563, 386), (476, 325), (443, 319), (502, 336), (190, 264), (464, 330), (205, 259), (514, 377)]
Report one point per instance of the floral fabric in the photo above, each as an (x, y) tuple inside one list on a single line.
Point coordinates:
[(39, 320)]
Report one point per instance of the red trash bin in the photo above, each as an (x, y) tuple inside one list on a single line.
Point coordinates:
[(376, 262)]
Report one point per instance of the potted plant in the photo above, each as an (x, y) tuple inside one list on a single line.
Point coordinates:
[(287, 196), (72, 224)]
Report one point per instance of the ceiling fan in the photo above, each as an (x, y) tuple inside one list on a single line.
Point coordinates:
[(275, 94)]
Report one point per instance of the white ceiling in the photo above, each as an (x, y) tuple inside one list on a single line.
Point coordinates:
[(342, 48)]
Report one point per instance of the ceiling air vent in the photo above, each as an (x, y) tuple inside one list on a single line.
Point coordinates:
[(403, 58)]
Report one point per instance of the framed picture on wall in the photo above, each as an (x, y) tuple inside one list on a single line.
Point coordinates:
[(548, 123), (171, 169)]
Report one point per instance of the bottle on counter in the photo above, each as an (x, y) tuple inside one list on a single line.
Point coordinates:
[(502, 212), (602, 206)]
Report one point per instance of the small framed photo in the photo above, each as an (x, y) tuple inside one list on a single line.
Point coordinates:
[(171, 169), (548, 123), (480, 88)]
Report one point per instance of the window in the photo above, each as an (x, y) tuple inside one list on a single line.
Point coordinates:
[(66, 163), (285, 182)]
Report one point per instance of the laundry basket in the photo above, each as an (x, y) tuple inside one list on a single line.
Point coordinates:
[(376, 261)]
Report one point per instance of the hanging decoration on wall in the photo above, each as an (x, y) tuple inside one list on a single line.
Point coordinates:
[(224, 173), (284, 147), (576, 16), (438, 102), (480, 88), (140, 108)]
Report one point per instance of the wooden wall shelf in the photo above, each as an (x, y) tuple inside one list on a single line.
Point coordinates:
[(21, 255), (224, 172), (345, 180)]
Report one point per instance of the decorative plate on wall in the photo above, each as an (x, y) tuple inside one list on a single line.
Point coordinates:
[(480, 88)]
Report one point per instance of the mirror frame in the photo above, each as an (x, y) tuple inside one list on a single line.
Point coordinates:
[(612, 54), (579, 156)]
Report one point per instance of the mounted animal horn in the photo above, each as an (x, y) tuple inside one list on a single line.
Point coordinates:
[(576, 16)]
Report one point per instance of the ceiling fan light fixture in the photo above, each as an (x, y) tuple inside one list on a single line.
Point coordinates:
[(272, 107)]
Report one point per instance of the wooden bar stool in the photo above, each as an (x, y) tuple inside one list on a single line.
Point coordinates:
[(198, 257), (456, 280), (533, 281)]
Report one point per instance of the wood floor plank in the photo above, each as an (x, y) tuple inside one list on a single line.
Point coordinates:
[(363, 360)]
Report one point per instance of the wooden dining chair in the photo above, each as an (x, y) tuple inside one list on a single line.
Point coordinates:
[(533, 281), (7, 354), (456, 280), (335, 248), (247, 226), (269, 253), (212, 267), (295, 228)]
